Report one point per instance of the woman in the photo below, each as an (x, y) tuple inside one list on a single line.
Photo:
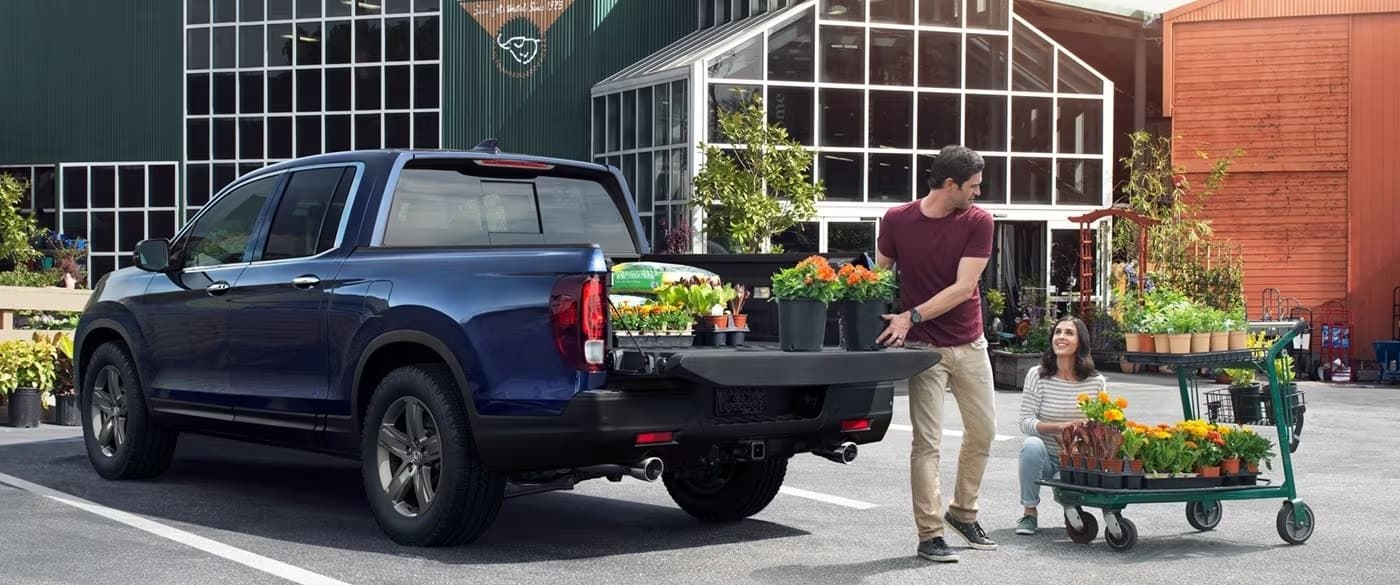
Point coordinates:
[(1049, 404)]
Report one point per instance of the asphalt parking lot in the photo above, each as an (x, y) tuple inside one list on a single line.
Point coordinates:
[(235, 513)]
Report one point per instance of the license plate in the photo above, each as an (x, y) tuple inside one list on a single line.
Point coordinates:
[(740, 401)]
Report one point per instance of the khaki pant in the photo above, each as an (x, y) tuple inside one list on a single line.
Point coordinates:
[(967, 370)]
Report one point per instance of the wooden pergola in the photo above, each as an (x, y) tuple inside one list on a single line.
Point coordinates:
[(1086, 249)]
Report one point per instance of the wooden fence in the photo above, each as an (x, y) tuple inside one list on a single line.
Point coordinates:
[(24, 298)]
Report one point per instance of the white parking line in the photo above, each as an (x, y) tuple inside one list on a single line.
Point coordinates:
[(949, 432), (828, 498), (237, 555)]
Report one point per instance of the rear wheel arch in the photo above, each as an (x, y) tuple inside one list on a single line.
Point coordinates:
[(398, 348)]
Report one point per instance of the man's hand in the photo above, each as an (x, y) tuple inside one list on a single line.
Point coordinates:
[(893, 335)]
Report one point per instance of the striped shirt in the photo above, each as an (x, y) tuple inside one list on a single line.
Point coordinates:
[(1054, 400)]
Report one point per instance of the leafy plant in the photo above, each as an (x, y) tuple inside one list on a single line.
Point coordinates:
[(1103, 409), (696, 296), (760, 188), (650, 317), (736, 302), (16, 229), (858, 283), (812, 279), (62, 346), (996, 300), (26, 364)]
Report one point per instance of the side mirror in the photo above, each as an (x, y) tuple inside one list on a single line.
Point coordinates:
[(153, 255)]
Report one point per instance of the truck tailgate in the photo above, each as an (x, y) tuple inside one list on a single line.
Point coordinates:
[(770, 366)]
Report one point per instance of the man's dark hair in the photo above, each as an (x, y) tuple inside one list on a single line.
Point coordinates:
[(954, 162)]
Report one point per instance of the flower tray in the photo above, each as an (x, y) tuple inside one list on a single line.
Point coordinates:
[(653, 340), (1182, 482)]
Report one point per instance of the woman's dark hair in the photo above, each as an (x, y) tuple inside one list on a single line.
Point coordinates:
[(1083, 361)]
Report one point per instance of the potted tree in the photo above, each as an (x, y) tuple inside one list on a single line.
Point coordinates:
[(26, 374)]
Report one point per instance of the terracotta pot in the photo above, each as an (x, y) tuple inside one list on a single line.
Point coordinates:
[(1230, 466), (1180, 342), (1133, 342), (1212, 471), (1163, 342), (1135, 465), (1220, 341), (1148, 342), (1239, 340), (717, 321), (741, 320), (1113, 465), (1200, 343), (1252, 467), (1064, 459)]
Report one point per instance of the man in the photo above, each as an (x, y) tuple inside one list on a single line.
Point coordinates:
[(941, 244)]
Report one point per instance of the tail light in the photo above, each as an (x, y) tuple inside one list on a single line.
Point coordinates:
[(579, 318)]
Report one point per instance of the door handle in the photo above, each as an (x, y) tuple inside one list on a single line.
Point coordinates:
[(217, 288), (305, 281)]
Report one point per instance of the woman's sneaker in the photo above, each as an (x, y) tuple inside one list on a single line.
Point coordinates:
[(1026, 525)]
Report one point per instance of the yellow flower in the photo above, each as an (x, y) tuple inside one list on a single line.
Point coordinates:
[(1083, 397), (1161, 435), (1113, 415)]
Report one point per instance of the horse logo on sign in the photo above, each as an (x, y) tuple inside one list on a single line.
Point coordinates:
[(518, 28)]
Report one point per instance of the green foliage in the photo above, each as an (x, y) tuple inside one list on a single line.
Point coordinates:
[(811, 279), (762, 188), (32, 279), (27, 364), (697, 297), (16, 230), (858, 283)]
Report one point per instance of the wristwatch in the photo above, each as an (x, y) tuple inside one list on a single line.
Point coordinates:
[(915, 316)]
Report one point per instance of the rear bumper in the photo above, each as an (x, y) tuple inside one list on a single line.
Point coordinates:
[(601, 426)]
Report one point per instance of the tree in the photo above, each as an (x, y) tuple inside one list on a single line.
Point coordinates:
[(759, 189), (16, 230)]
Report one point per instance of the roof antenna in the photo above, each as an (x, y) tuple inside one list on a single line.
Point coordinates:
[(489, 145)]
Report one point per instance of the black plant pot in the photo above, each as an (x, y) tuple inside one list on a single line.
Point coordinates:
[(861, 324), (801, 324), (66, 411), (26, 408), (1246, 402)]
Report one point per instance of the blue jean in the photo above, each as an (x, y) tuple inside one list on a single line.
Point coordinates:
[(1035, 466)]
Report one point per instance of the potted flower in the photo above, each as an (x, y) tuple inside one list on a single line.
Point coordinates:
[(652, 325), (26, 374), (863, 296), (736, 306), (803, 292), (65, 393)]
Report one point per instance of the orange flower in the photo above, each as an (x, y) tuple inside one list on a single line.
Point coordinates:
[(1103, 396), (1122, 402)]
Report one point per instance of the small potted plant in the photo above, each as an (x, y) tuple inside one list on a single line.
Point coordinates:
[(65, 393), (803, 292), (863, 296), (26, 374)]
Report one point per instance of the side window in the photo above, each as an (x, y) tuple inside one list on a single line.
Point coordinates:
[(308, 216), (221, 235)]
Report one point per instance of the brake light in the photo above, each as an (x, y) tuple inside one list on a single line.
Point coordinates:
[(855, 424), (515, 164), (578, 317), (655, 438)]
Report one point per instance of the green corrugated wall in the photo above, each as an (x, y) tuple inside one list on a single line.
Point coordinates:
[(90, 80), (547, 112)]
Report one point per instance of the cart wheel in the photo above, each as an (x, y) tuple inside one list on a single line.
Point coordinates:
[(1204, 515), (1088, 533), (1125, 539), (1293, 531)]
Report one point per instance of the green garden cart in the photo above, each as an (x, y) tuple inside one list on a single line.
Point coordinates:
[(1204, 504)]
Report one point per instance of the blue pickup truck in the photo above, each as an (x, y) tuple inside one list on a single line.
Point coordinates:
[(442, 317)]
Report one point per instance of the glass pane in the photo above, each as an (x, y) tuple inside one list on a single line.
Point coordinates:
[(661, 114), (1075, 78), (940, 59), (308, 8), (367, 131), (279, 45), (131, 228), (892, 57), (1030, 180), (994, 181), (224, 230), (642, 187), (398, 39), (367, 90), (940, 12), (104, 187), (162, 185), (891, 177), (600, 124), (939, 120), (892, 11), (661, 176), (225, 93), (614, 121), (985, 122), (279, 91), (250, 10), (1079, 182), (337, 8), (629, 175), (338, 89), (629, 120), (1031, 128), (726, 98), (368, 37), (398, 84), (644, 116), (679, 173), (197, 184), (225, 139), (841, 117), (1081, 126), (161, 224), (743, 62), (337, 133), (338, 42), (250, 93), (75, 187), (104, 231), (308, 135), (802, 238), (843, 54), (279, 10), (891, 119), (305, 211), (397, 129), (196, 11), (225, 45), (1034, 65), (250, 138), (790, 50), (425, 130), (425, 39), (986, 62), (842, 172), (791, 108), (131, 186), (850, 237), (991, 14), (843, 10), (308, 90), (1064, 262), (425, 86), (679, 94), (279, 137), (198, 55), (308, 43), (197, 93), (250, 46)]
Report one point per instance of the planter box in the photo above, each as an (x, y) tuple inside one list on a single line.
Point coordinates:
[(1009, 369)]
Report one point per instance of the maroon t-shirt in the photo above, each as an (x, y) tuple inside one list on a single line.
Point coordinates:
[(926, 252)]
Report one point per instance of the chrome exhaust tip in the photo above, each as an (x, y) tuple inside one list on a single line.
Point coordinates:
[(844, 454), (648, 469)]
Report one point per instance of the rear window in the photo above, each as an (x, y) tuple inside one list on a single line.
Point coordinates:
[(458, 203)]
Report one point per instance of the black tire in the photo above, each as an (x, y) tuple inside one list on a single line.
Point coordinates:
[(1202, 518), (735, 492), (1088, 533), (466, 496), (1292, 531), (1126, 539), (133, 446)]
